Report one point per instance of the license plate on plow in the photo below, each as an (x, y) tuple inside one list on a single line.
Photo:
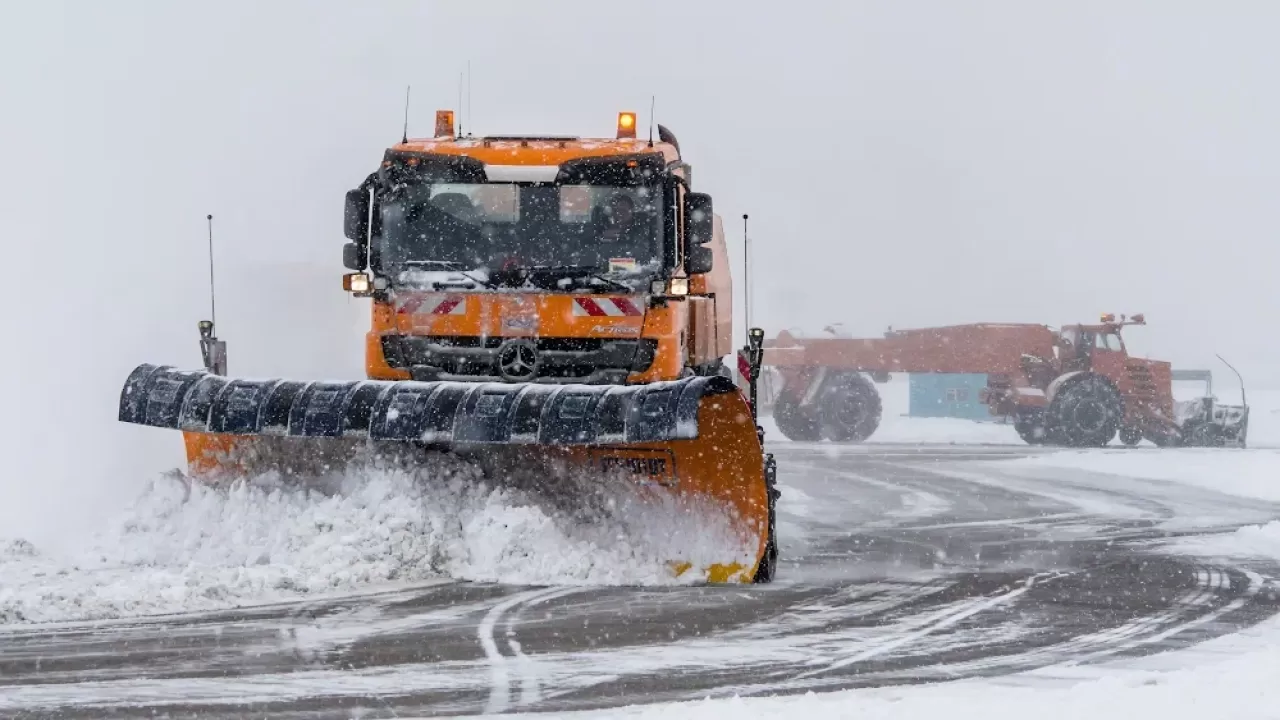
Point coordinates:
[(650, 467)]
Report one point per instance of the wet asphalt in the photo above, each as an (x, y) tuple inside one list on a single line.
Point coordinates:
[(900, 564)]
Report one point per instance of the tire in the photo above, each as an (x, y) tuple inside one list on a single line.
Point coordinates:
[(794, 423), (1130, 435), (1203, 435), (850, 408), (768, 567), (1030, 427), (1085, 412)]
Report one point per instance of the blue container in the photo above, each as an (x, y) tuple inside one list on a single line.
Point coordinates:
[(947, 395)]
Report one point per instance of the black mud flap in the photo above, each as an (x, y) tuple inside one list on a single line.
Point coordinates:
[(444, 413)]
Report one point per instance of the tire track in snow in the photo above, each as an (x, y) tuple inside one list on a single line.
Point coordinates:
[(499, 677), (928, 625), (526, 667)]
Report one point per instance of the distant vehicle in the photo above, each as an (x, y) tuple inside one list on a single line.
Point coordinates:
[(1076, 386)]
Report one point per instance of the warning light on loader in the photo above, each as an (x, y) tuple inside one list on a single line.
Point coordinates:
[(1109, 317), (626, 125), (444, 123)]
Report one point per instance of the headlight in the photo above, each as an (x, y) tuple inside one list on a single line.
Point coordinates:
[(679, 286), (356, 283)]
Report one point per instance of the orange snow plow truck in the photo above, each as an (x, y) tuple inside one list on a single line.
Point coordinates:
[(1077, 386), (554, 309)]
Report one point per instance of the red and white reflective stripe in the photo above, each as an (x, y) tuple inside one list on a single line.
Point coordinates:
[(606, 307), (433, 305)]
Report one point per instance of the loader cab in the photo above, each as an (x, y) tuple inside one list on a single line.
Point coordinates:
[(1079, 346)]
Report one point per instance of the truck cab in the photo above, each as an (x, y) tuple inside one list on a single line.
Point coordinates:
[(538, 259)]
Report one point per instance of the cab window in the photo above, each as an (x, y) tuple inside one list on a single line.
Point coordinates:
[(1108, 342)]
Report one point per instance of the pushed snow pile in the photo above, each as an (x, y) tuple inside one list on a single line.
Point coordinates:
[(1247, 473), (1250, 541), (1262, 539), (185, 547)]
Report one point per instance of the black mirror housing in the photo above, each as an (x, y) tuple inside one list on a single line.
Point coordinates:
[(354, 257), (699, 219), (698, 260), (355, 219)]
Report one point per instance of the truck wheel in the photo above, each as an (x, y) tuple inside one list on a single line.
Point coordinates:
[(769, 563), (1130, 435), (1085, 412), (850, 408), (1030, 427), (795, 423)]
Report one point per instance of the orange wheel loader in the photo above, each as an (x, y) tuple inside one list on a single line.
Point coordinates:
[(541, 305), (1076, 386)]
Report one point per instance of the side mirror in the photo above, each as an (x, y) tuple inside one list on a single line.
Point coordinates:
[(699, 219), (698, 259), (354, 256), (355, 220)]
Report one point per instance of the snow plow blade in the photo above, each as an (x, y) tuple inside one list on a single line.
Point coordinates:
[(693, 439)]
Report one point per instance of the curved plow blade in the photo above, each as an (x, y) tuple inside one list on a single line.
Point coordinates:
[(692, 440)]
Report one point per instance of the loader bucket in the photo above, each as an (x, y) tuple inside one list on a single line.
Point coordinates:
[(692, 439)]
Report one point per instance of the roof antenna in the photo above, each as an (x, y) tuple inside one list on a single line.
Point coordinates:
[(653, 100), (212, 350), (404, 137), (746, 271), (469, 118), (459, 104)]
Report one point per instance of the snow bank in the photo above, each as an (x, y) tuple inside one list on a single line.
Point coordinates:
[(1248, 542), (1248, 473), (190, 547)]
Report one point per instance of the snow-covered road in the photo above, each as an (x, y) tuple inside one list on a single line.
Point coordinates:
[(901, 565)]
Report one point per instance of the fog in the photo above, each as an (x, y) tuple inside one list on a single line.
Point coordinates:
[(903, 163)]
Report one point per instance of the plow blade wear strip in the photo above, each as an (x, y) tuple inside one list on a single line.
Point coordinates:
[(691, 442)]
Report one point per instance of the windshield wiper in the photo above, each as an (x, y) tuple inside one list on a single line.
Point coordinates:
[(452, 267), (577, 272)]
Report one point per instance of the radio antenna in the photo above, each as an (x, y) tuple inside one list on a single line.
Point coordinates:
[(460, 108), (653, 101), (746, 270), (213, 306), (469, 118), (404, 137)]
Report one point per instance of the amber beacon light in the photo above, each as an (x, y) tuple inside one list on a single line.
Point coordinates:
[(626, 125)]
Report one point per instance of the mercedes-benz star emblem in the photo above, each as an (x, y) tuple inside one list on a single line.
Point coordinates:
[(518, 360)]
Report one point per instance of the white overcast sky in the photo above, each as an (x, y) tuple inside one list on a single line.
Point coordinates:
[(904, 163)]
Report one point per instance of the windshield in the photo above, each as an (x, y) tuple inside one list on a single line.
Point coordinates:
[(1109, 342), (614, 231)]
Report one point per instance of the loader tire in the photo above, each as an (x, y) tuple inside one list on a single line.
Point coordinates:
[(1030, 427), (794, 423), (1085, 412), (850, 408), (1130, 435)]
